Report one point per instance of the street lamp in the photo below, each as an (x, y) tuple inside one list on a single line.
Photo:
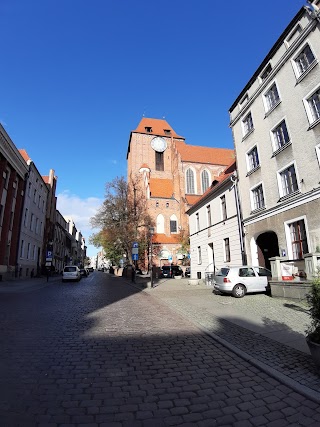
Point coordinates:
[(151, 231)]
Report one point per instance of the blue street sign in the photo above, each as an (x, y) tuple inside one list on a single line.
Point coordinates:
[(135, 244), (135, 257), (170, 258)]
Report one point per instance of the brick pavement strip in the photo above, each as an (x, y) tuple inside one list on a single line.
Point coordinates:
[(102, 353)]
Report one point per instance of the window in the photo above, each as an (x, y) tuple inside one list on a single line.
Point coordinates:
[(159, 161), (288, 180), (293, 35), (253, 159), (31, 222), (304, 60), (223, 207), (35, 196), (271, 97), (199, 255), (148, 129), (25, 217), (37, 225), (34, 252), (167, 131), (173, 226), (226, 249), (157, 204), (190, 181), (197, 222), (11, 220), (280, 135), (22, 249), (313, 104), (244, 100), (167, 204), (247, 124), (39, 201), (204, 180), (267, 71), (160, 224), (29, 189), (28, 251), (298, 239), (6, 177), (209, 220), (257, 197)]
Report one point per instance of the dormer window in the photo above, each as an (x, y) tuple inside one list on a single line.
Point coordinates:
[(148, 129), (167, 131)]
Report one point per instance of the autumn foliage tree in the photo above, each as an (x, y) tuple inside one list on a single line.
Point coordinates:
[(121, 220)]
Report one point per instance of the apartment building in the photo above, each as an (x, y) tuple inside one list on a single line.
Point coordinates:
[(216, 237), (275, 123), (33, 221)]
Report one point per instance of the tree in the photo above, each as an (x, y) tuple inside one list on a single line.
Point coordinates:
[(122, 219)]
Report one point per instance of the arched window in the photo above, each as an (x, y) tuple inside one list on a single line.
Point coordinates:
[(204, 180), (173, 224), (190, 181), (160, 224)]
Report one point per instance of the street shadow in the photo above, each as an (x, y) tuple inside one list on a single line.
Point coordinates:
[(92, 353), (297, 307)]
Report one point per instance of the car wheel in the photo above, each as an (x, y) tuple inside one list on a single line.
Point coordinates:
[(239, 291)]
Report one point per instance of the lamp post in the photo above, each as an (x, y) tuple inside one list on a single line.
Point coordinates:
[(151, 231)]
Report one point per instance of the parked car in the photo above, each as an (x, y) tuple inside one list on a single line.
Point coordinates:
[(187, 273), (71, 272), (242, 280), (91, 270), (170, 271)]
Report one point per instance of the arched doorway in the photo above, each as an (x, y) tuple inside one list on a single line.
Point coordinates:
[(267, 248)]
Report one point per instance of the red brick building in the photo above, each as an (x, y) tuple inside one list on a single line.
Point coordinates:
[(173, 175), (13, 171)]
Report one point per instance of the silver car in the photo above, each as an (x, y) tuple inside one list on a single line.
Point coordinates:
[(242, 280), (71, 272)]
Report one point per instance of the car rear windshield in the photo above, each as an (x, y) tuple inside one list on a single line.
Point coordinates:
[(166, 267), (69, 269), (223, 272)]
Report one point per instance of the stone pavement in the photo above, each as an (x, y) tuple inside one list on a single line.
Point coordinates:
[(267, 331), (102, 353)]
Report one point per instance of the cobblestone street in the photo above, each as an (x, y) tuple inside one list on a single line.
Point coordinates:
[(102, 353)]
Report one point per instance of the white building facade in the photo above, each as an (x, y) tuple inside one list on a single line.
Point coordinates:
[(216, 237), (31, 239), (275, 123)]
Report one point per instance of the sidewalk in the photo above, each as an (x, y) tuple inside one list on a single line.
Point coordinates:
[(26, 285), (267, 332)]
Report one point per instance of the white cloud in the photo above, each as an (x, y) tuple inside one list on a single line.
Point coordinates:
[(81, 210)]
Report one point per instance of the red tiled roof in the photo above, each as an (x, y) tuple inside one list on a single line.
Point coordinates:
[(46, 179), (163, 238), (192, 199), (24, 154), (161, 187), (158, 126), (209, 155)]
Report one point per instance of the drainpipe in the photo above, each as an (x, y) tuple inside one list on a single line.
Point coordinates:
[(234, 179)]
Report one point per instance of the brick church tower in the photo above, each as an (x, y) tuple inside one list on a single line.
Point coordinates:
[(173, 176)]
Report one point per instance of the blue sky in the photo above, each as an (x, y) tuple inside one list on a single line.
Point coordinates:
[(77, 76)]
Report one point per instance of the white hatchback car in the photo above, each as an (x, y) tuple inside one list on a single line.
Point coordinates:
[(71, 272), (242, 280)]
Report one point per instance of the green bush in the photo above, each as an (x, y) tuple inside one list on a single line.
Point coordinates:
[(313, 299)]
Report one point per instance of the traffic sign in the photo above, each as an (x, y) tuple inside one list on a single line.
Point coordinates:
[(135, 257), (135, 244)]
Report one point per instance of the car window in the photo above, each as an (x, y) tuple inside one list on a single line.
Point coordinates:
[(69, 269), (166, 268), (223, 272), (246, 272), (263, 271)]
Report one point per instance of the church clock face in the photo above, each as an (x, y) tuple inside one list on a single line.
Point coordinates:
[(159, 144)]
